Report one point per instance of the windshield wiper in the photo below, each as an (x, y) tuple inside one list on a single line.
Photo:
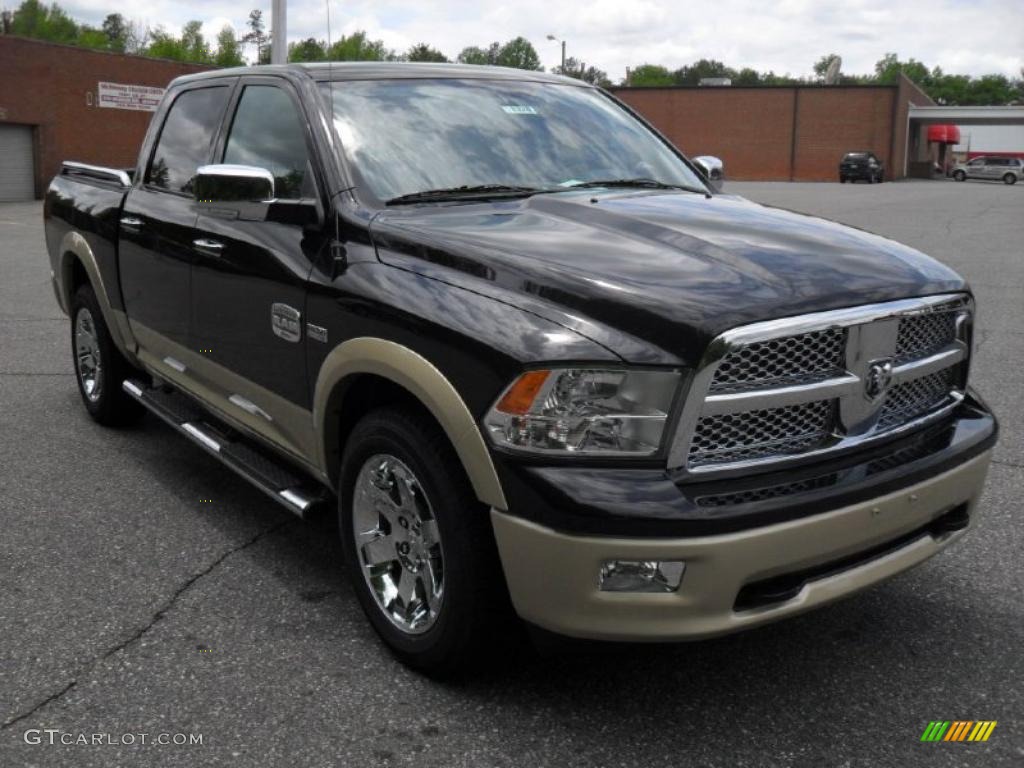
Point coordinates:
[(640, 183), (478, 192)]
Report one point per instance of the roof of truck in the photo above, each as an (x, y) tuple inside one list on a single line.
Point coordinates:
[(384, 70)]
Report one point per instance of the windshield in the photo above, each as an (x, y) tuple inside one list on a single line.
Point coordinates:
[(408, 136)]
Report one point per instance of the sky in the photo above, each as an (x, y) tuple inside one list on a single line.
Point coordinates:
[(787, 36)]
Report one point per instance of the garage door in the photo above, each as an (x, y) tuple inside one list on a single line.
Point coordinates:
[(16, 167)]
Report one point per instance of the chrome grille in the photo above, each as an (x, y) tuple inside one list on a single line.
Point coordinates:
[(780, 390), (791, 358), (753, 434), (921, 335), (915, 398)]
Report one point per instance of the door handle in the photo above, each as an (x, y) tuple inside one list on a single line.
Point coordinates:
[(209, 247), (131, 223)]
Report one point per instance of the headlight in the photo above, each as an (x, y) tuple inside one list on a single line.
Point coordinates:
[(584, 411)]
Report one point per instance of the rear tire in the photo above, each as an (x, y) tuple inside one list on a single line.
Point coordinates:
[(842, 179), (411, 527), (959, 176), (100, 368), (1010, 178)]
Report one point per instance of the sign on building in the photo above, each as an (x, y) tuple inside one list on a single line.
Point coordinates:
[(141, 98)]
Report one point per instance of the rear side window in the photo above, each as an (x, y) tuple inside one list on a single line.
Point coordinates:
[(185, 140), (268, 132)]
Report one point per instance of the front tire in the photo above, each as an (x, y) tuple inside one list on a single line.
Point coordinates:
[(418, 545), (100, 368), (959, 176), (1010, 179)]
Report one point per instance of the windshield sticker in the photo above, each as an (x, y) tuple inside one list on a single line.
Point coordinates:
[(516, 109)]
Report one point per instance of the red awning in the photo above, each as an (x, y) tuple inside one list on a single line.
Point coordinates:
[(944, 134)]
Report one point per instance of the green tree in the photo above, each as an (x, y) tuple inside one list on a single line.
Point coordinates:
[(90, 37), (649, 75), (358, 47), (193, 44), (770, 78), (164, 45), (257, 34), (116, 32), (229, 50), (579, 70), (995, 90), (747, 76), (821, 65), (309, 49), (34, 19), (889, 67), (474, 54), (694, 73), (519, 53), (423, 52)]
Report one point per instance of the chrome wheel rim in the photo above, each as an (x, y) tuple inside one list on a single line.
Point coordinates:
[(87, 355), (398, 543)]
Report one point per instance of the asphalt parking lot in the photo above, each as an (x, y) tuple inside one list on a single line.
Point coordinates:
[(129, 606)]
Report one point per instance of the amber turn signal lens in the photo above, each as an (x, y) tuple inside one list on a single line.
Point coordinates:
[(520, 396)]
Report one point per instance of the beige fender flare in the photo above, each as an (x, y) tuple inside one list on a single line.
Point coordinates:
[(73, 246), (419, 376)]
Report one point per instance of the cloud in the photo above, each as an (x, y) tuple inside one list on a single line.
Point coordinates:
[(786, 36)]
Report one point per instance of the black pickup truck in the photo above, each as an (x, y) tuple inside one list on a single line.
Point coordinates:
[(532, 357)]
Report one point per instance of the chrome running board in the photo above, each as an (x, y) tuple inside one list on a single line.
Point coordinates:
[(284, 485)]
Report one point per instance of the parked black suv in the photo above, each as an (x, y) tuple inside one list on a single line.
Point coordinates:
[(526, 352), (861, 165)]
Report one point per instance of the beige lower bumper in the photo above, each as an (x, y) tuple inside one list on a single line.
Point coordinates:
[(553, 577)]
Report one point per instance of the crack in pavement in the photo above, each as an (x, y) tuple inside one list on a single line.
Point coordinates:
[(153, 621)]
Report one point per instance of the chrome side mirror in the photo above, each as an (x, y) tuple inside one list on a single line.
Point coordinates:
[(712, 168), (233, 184)]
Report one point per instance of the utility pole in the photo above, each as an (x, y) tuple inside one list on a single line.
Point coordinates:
[(279, 32)]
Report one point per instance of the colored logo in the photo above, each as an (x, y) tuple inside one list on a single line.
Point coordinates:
[(958, 730)]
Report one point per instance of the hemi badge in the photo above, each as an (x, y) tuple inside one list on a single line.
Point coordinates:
[(316, 332)]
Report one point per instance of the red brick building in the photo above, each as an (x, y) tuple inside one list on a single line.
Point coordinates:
[(783, 133), (50, 109)]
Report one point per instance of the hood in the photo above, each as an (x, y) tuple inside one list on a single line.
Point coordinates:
[(671, 269)]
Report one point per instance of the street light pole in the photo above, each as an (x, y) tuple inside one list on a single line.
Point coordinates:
[(279, 32), (556, 40)]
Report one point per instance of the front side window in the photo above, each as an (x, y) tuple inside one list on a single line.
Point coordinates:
[(976, 162), (407, 136), (267, 132), (185, 139)]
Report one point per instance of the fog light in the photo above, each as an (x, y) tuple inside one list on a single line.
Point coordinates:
[(641, 575)]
